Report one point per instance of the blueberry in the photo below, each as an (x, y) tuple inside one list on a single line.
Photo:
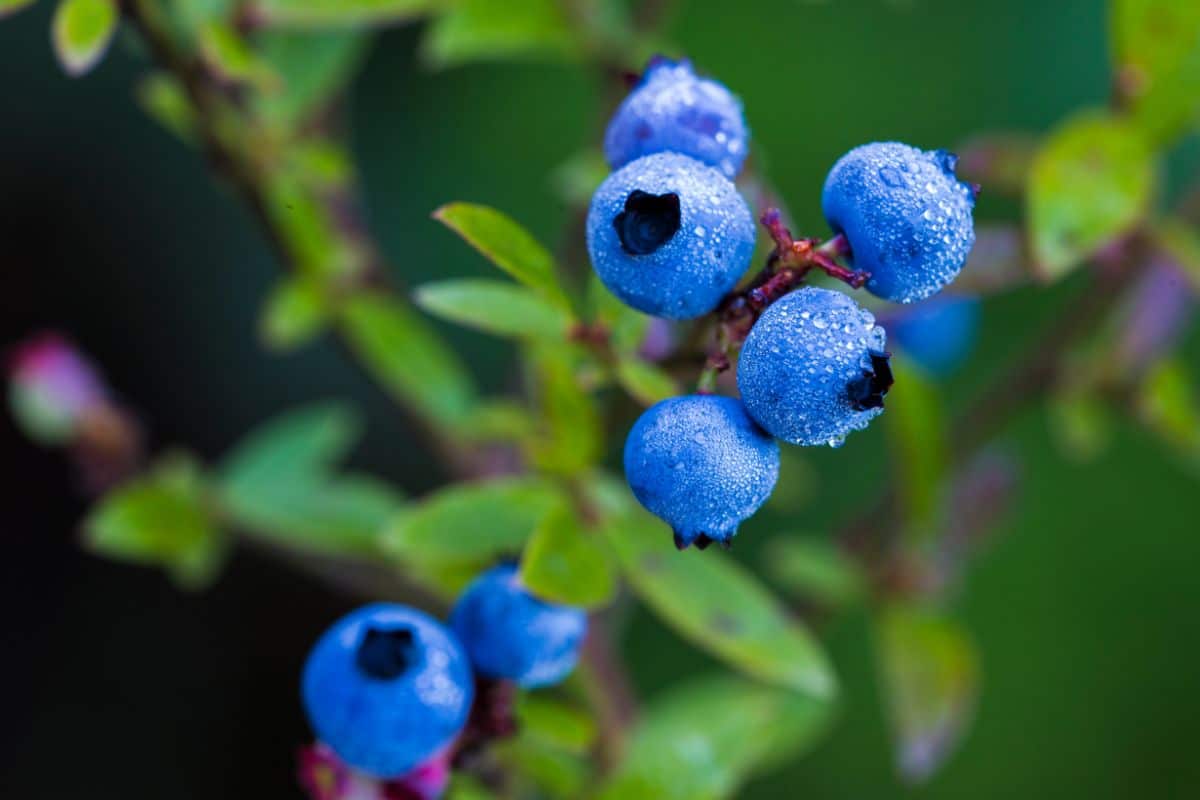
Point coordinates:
[(509, 633), (905, 215), (669, 235), (702, 465), (814, 368), (674, 110), (386, 688), (937, 333)]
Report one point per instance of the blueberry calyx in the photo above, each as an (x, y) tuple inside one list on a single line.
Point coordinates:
[(868, 391), (648, 221), (385, 655)]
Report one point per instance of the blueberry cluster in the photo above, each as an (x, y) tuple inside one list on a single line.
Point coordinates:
[(669, 234), (388, 688)]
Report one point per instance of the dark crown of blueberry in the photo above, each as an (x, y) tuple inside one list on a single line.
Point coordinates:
[(869, 390), (383, 654), (648, 222)]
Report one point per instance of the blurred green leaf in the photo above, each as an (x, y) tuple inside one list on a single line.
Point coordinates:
[(1080, 424), (497, 421), (570, 438), (314, 66), (332, 13), (507, 245), (82, 31), (465, 787), (1092, 182), (277, 483), (161, 519), (814, 570), (495, 307), (407, 357), (231, 58), (13, 6), (1181, 242), (579, 177), (304, 228), (930, 674), (1156, 54), (295, 312), (162, 97), (704, 739), (717, 604), (564, 563), (553, 771), (920, 453), (555, 722), (626, 326), (1167, 404), (644, 381), (476, 30), (463, 528)]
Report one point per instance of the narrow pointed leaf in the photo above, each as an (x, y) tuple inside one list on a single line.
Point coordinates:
[(495, 307)]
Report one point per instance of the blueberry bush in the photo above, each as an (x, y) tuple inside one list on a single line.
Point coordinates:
[(688, 326)]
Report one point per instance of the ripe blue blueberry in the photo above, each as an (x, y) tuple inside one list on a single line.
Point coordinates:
[(669, 235), (509, 633), (937, 333), (908, 219), (674, 110), (386, 688), (814, 368), (702, 465)]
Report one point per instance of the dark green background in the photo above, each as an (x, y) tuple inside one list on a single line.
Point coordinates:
[(1085, 609)]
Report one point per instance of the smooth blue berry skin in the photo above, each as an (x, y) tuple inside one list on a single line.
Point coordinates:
[(814, 368), (669, 235), (510, 634), (937, 333), (387, 687), (674, 110), (702, 465), (906, 216)]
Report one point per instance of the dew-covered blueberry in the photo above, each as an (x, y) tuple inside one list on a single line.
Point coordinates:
[(702, 465), (674, 110), (906, 216), (814, 368), (669, 235), (508, 633), (386, 688), (937, 333)]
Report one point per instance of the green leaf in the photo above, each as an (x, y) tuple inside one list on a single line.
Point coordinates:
[(815, 571), (13, 6), (82, 31), (1156, 54), (162, 97), (718, 605), (495, 307), (476, 30), (465, 787), (704, 739), (930, 674), (553, 771), (231, 58), (461, 529), (332, 13), (507, 245), (1166, 403), (161, 519), (555, 723), (564, 563), (577, 179), (1091, 183), (296, 312), (644, 381), (570, 439), (314, 66), (407, 357), (497, 421), (917, 433), (277, 483)]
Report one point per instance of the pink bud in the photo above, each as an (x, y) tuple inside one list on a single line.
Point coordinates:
[(52, 388)]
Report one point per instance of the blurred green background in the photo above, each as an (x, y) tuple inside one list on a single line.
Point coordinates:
[(1085, 610)]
